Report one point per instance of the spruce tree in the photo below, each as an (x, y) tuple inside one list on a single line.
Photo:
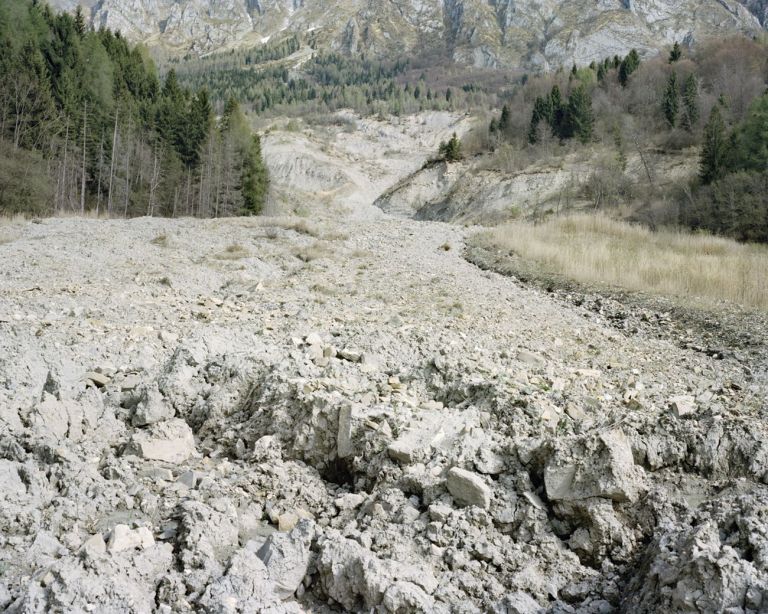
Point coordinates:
[(555, 112), (451, 151), (715, 148), (542, 111), (629, 65), (670, 103), (752, 151), (580, 118), (255, 178), (504, 120), (601, 73), (80, 21), (676, 53), (690, 102)]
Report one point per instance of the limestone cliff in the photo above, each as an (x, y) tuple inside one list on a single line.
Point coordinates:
[(530, 33)]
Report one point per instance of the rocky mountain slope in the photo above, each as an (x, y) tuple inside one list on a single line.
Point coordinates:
[(532, 33), (343, 414)]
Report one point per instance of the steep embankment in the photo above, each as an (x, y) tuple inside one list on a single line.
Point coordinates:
[(478, 191)]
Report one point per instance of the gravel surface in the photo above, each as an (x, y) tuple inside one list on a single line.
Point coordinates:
[(278, 415)]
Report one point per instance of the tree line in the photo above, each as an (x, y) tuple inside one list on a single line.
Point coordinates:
[(87, 125)]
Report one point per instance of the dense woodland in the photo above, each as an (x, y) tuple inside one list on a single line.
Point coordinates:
[(87, 126), (713, 98), (267, 82)]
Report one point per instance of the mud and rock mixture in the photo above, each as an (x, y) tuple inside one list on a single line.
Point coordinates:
[(263, 416)]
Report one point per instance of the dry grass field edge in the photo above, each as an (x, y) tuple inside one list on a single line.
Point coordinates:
[(594, 249)]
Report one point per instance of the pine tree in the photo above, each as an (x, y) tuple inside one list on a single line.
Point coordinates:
[(504, 120), (670, 103), (542, 111), (556, 113), (752, 151), (255, 179), (580, 117), (601, 73), (690, 102), (451, 151), (676, 53), (714, 150), (629, 65), (80, 21)]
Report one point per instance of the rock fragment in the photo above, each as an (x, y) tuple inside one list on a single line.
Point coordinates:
[(468, 488), (152, 407), (600, 466), (123, 537), (94, 546), (683, 405), (171, 441), (286, 557), (97, 379)]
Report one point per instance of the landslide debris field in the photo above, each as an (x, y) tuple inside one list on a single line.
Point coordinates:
[(280, 415)]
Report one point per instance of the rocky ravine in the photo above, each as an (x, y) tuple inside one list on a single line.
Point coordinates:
[(282, 416)]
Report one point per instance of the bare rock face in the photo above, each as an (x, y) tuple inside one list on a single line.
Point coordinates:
[(536, 34), (286, 557), (709, 564), (351, 574)]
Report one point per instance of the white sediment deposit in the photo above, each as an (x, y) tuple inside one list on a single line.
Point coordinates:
[(344, 414)]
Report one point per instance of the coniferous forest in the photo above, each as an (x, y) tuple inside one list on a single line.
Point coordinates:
[(86, 125)]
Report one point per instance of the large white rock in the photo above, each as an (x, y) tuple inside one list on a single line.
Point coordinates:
[(171, 442), (350, 573), (468, 488), (286, 557), (152, 408), (602, 466), (124, 538)]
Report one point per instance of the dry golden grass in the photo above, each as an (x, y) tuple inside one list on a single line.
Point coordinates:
[(297, 225), (594, 249), (234, 251), (316, 251), (161, 240), (9, 220), (271, 225)]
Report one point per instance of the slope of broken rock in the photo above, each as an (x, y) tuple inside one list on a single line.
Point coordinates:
[(354, 419)]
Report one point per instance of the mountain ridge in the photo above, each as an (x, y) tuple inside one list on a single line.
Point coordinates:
[(543, 34)]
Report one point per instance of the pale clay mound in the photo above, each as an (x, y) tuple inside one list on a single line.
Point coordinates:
[(232, 416)]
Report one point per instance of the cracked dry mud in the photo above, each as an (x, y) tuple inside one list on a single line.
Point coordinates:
[(265, 416)]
